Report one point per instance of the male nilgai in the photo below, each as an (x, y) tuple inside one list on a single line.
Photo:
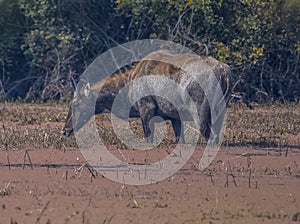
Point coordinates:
[(199, 77)]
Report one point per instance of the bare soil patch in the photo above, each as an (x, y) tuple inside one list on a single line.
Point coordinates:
[(255, 177)]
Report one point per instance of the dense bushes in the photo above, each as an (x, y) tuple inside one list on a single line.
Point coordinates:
[(45, 42)]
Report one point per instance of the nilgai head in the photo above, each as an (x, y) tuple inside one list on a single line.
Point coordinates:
[(81, 109)]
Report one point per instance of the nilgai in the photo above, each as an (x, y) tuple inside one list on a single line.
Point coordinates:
[(190, 72)]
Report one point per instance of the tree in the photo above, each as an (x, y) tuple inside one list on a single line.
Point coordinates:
[(61, 39), (46, 42), (254, 36), (12, 61)]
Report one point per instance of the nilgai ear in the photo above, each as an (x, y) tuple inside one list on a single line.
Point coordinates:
[(87, 90), (75, 87)]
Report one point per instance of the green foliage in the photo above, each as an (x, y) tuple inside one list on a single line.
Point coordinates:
[(258, 38), (7, 46), (45, 42), (50, 34), (60, 41), (234, 28), (12, 63)]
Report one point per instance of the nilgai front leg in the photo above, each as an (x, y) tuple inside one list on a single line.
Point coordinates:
[(178, 130), (205, 119), (147, 107)]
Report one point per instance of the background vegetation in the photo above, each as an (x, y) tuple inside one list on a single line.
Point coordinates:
[(43, 43)]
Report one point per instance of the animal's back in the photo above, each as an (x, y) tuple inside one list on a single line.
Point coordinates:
[(195, 74)]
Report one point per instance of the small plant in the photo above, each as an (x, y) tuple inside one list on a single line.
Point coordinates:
[(6, 190)]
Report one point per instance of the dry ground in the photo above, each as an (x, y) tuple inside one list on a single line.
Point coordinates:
[(254, 179)]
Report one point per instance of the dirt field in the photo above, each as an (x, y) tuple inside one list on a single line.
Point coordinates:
[(255, 177)]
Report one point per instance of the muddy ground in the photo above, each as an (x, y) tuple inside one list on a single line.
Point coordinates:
[(252, 179)]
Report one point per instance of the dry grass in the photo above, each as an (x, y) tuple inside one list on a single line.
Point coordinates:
[(274, 125), (33, 125), (39, 126)]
